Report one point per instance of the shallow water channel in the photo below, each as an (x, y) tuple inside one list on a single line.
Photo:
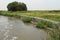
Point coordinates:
[(14, 29)]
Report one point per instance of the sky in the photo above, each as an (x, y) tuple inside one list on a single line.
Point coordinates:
[(34, 4)]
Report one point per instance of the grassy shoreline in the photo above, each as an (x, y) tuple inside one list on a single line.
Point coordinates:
[(52, 30), (55, 16)]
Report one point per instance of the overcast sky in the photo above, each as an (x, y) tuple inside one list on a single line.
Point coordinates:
[(34, 4)]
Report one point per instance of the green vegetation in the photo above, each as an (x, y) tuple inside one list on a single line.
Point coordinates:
[(9, 13), (52, 30), (27, 20), (41, 14), (41, 24), (49, 27), (17, 6), (55, 17), (44, 24), (54, 33)]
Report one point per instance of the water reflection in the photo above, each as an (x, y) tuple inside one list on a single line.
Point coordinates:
[(14, 29)]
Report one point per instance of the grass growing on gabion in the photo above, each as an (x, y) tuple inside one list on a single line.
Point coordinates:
[(54, 34), (27, 20), (43, 24), (50, 28)]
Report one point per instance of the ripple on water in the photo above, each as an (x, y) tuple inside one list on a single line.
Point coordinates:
[(11, 25), (6, 27), (14, 29), (14, 38), (6, 33), (5, 38)]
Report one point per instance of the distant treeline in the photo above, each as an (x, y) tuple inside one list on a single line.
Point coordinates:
[(44, 11), (54, 11), (36, 11)]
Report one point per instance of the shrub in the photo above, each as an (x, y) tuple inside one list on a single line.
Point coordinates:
[(27, 20), (49, 24), (0, 12), (17, 6), (43, 24)]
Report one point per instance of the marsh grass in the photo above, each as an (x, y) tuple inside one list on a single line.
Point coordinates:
[(41, 14), (50, 28), (44, 24), (27, 20), (52, 17), (54, 34)]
